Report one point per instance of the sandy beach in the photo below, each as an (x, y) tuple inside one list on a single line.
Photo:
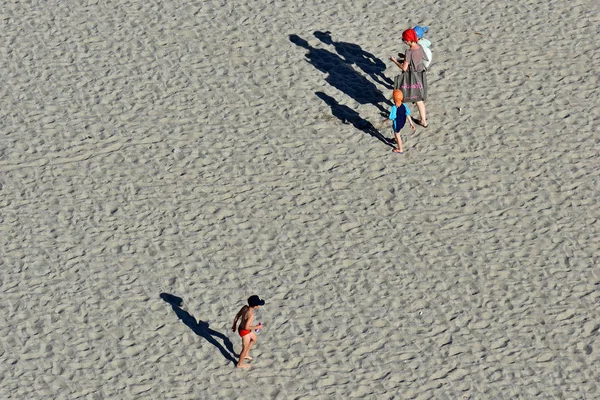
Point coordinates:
[(212, 150)]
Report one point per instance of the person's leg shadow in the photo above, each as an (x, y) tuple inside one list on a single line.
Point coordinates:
[(347, 115), (200, 328)]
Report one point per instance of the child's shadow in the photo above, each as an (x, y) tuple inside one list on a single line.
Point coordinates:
[(347, 115), (200, 328)]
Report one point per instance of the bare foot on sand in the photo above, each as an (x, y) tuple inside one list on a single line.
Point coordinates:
[(243, 366)]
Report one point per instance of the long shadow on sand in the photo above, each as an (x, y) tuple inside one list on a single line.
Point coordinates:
[(341, 76), (354, 54), (347, 115), (200, 328)]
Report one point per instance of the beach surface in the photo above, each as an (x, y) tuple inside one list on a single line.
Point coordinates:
[(206, 151)]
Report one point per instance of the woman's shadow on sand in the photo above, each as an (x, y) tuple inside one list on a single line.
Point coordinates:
[(341, 76), (354, 54), (200, 328)]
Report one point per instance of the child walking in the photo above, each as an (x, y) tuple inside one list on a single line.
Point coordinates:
[(246, 315), (399, 115)]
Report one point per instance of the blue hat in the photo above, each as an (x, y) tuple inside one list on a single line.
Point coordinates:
[(421, 30)]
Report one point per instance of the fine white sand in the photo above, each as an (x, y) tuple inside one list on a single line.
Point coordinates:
[(212, 150)]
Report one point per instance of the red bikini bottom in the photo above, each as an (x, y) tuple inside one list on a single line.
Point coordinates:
[(243, 332)]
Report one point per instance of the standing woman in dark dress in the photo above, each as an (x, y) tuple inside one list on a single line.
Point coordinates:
[(414, 62)]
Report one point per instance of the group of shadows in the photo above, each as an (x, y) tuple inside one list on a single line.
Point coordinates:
[(342, 76), (201, 328)]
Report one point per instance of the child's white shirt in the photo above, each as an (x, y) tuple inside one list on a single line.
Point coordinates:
[(425, 44)]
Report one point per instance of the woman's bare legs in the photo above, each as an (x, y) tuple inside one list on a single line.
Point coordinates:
[(422, 113), (253, 340), (246, 344)]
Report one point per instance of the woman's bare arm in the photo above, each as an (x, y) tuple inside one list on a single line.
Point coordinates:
[(237, 317)]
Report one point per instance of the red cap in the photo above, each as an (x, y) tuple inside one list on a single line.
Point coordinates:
[(410, 35)]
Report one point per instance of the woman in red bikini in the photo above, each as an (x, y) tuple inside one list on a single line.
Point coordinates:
[(246, 315)]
